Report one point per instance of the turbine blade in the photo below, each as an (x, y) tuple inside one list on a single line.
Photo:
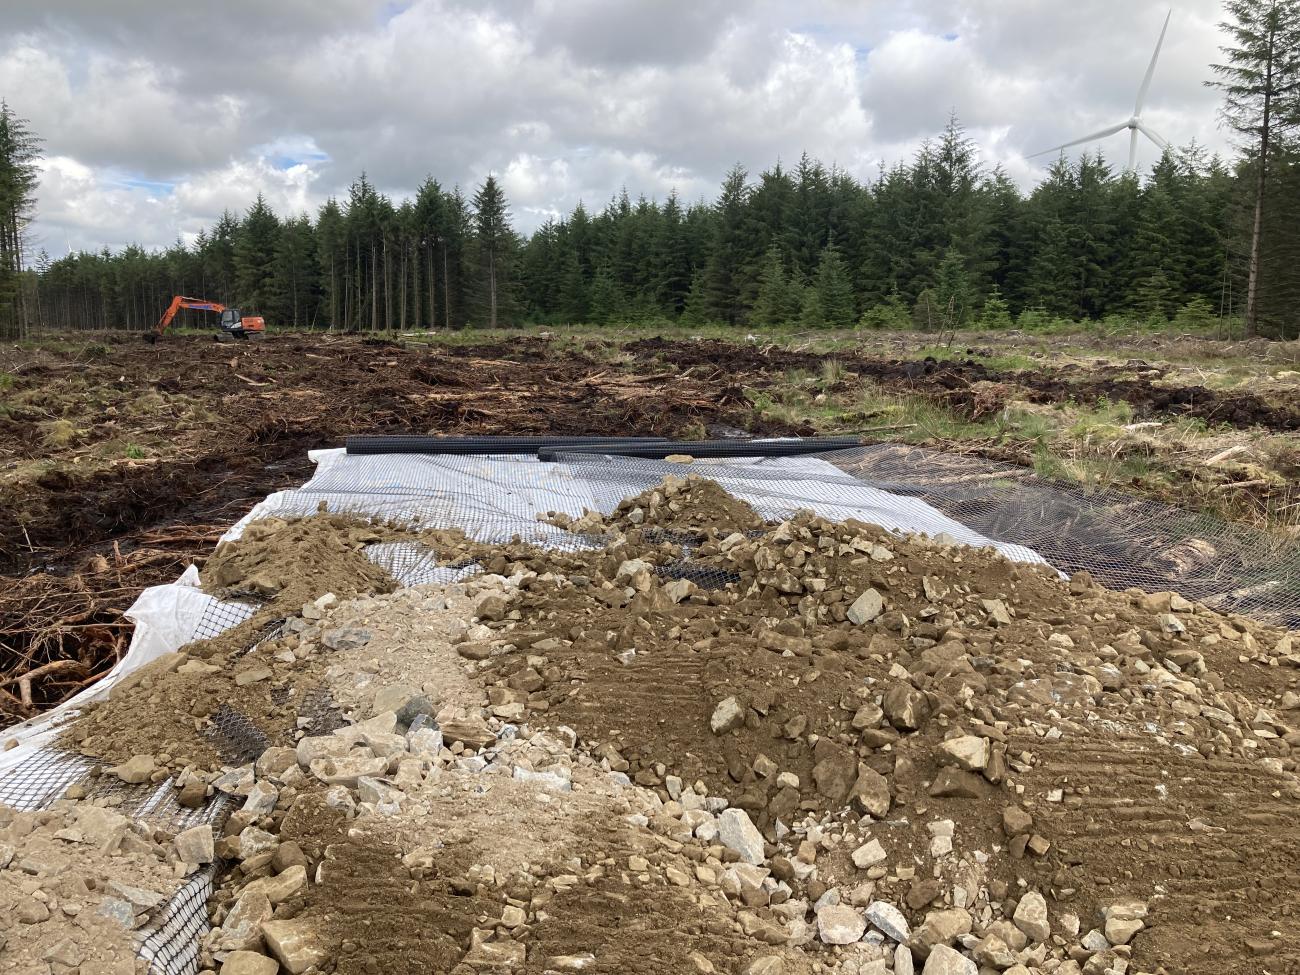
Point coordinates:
[(1153, 135), (1077, 142), (1151, 68)]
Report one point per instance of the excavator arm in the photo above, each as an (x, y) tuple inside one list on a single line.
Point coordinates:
[(179, 302)]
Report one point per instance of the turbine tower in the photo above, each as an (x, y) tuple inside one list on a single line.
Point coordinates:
[(1134, 123)]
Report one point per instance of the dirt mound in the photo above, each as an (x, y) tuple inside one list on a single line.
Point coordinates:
[(681, 509), (298, 559), (928, 686), (285, 566)]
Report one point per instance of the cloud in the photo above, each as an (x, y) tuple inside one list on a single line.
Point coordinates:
[(156, 118)]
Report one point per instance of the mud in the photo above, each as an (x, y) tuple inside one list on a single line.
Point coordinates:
[(84, 526)]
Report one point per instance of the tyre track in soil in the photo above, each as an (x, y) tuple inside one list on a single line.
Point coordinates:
[(1217, 837)]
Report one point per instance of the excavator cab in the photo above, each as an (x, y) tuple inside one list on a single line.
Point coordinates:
[(236, 325), (232, 325)]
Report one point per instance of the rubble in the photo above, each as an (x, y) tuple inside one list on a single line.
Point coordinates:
[(863, 753)]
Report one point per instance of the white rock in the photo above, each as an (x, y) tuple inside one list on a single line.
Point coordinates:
[(866, 607), (839, 924), (196, 845), (261, 798), (556, 778), (869, 854), (1031, 916), (969, 752), (889, 920), (727, 716), (738, 833), (948, 961)]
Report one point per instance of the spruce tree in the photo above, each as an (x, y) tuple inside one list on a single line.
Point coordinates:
[(778, 298), (19, 154), (495, 244), (833, 301), (604, 303), (1260, 80), (952, 288), (331, 260), (255, 247), (996, 313)]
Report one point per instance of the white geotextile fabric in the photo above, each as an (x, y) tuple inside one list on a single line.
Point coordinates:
[(492, 499)]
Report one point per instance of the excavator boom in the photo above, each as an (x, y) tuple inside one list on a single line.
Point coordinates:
[(179, 302)]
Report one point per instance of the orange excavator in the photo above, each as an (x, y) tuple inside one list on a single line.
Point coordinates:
[(233, 325)]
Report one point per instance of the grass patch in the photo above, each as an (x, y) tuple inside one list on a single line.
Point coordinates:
[(832, 373), (58, 433)]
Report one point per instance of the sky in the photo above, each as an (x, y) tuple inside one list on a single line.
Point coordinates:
[(157, 115)]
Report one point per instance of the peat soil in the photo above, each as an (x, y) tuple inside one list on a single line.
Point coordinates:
[(953, 381), (221, 427)]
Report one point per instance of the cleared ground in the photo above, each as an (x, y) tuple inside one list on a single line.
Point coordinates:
[(121, 461)]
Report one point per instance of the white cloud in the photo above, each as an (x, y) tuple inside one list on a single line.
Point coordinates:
[(155, 119)]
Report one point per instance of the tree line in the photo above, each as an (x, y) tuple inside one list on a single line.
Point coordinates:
[(935, 242)]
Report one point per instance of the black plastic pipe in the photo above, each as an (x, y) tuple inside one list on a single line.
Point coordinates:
[(709, 448), (403, 444)]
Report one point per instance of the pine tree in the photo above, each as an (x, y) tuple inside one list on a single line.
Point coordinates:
[(331, 259), (697, 309), (952, 288), (833, 302), (996, 313), (1260, 79), (1153, 298), (605, 303), (778, 299), (295, 271), (255, 247), (495, 245), (19, 154)]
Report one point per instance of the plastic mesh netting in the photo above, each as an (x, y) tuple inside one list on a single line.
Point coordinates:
[(1121, 540)]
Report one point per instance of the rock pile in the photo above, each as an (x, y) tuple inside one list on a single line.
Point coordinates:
[(77, 879), (717, 745)]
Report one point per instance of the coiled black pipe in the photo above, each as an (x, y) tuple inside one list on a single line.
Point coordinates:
[(404, 444)]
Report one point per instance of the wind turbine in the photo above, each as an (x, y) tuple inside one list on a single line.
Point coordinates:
[(1134, 123)]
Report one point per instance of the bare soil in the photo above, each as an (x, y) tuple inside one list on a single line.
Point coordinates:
[(1147, 744)]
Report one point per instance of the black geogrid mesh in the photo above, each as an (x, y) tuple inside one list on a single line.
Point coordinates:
[(1121, 540), (704, 576), (235, 737), (170, 942), (318, 714)]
